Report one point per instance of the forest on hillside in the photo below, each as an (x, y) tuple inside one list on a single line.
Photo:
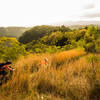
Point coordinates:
[(42, 39), (52, 39)]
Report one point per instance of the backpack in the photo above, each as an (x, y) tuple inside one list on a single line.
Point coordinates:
[(1, 65)]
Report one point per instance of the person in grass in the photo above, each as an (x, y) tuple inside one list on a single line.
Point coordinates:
[(6, 72), (4, 66), (44, 62)]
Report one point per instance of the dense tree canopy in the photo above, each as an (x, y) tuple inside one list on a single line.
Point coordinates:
[(39, 38), (39, 31)]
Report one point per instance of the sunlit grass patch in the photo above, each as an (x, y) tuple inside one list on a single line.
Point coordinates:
[(66, 56)]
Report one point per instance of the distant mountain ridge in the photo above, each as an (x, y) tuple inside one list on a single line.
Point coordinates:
[(18, 31), (13, 31), (72, 23)]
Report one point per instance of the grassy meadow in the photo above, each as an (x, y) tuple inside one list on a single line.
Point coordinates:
[(67, 76)]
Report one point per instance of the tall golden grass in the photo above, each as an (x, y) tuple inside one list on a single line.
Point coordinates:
[(68, 76)]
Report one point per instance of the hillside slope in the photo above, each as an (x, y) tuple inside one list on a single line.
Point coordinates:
[(12, 31)]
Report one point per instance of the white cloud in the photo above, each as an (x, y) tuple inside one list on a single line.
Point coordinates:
[(92, 15), (89, 6), (37, 12)]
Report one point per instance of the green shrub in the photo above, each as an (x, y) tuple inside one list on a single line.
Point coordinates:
[(10, 49)]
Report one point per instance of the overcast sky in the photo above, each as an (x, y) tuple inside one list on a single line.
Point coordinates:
[(39, 12)]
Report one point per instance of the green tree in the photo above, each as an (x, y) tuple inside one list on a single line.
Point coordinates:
[(10, 49), (90, 39)]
